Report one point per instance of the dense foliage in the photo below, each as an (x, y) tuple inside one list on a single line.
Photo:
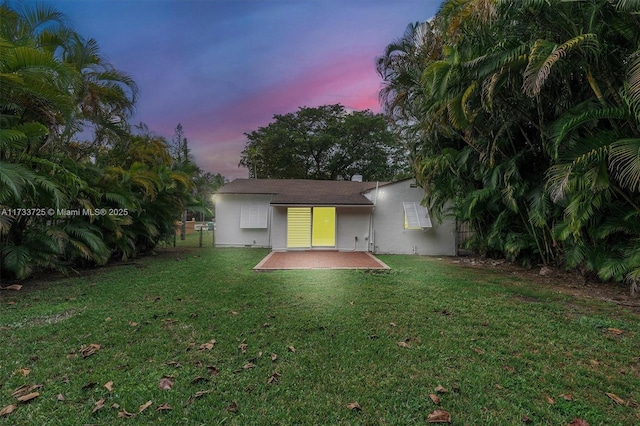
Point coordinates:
[(64, 202), (525, 115), (325, 142)]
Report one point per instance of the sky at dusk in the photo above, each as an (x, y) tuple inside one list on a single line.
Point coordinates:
[(223, 68)]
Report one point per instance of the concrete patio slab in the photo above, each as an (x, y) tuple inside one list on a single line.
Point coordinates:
[(278, 260)]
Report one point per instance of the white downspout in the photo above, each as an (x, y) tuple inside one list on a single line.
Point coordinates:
[(372, 244)]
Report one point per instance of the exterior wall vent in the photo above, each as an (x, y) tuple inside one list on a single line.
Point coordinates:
[(356, 178)]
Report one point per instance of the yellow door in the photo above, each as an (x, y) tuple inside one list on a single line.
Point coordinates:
[(324, 227), (299, 227)]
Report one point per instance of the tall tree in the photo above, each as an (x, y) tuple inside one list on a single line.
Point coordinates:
[(525, 117), (121, 189), (325, 142)]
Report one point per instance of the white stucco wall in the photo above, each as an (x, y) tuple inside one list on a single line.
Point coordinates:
[(389, 235), (380, 229), (228, 232), (351, 222)]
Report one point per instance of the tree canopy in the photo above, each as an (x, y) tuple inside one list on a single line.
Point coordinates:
[(524, 122), (66, 202), (325, 142)]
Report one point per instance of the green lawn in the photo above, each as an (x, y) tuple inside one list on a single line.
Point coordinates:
[(503, 349)]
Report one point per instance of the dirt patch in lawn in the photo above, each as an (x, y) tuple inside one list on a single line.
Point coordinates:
[(555, 279)]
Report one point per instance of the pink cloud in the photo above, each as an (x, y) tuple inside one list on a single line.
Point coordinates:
[(217, 135)]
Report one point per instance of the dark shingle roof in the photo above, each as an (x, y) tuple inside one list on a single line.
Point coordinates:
[(303, 191)]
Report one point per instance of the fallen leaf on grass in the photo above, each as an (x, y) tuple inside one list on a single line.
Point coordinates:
[(566, 396), (115, 406), (440, 389), (526, 419), (615, 331), (578, 422), (60, 397), (594, 362), (207, 346), (25, 390), (89, 350), (145, 406), (190, 346), (248, 366), (8, 410), (14, 287), (196, 396), (233, 313), (478, 350), (292, 349), (23, 371), (265, 325), (354, 406), (393, 324), (133, 324), (549, 399), (166, 383), (439, 416), (233, 407), (274, 357), (435, 398), (243, 348), (274, 378), (164, 407), (616, 398), (175, 364), (109, 386), (213, 370), (403, 344), (124, 414), (98, 405)]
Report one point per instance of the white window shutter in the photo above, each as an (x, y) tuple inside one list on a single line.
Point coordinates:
[(416, 215), (254, 215)]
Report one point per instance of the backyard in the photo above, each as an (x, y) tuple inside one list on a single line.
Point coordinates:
[(194, 336)]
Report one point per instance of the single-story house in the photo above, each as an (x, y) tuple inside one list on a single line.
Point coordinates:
[(299, 214)]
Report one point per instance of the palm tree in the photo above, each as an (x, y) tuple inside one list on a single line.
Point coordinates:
[(54, 83), (525, 117)]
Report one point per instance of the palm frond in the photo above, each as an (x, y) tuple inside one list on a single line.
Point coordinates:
[(16, 259), (569, 123), (628, 5), (624, 157), (87, 240), (545, 54), (633, 80)]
